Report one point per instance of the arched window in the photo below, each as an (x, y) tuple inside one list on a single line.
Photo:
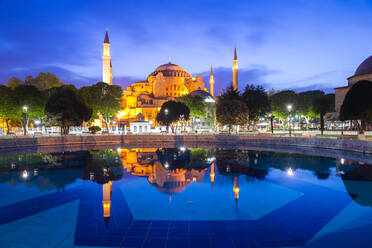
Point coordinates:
[(176, 89)]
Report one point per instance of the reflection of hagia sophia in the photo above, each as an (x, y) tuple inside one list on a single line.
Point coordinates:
[(167, 82), (144, 162)]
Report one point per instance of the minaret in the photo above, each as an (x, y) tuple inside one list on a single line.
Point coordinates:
[(106, 201), (236, 191), (106, 61), (111, 76), (235, 71), (211, 83), (212, 174)]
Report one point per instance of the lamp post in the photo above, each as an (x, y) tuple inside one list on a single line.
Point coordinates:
[(271, 123), (166, 113), (289, 107), (24, 115)]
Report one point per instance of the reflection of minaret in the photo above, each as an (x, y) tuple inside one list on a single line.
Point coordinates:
[(106, 202), (236, 191), (211, 83), (235, 71), (212, 175), (106, 61)]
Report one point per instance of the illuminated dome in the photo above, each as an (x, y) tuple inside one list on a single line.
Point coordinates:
[(365, 67), (171, 70)]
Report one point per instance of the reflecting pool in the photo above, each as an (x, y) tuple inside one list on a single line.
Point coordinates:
[(184, 197)]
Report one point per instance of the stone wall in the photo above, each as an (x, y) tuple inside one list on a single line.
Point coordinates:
[(189, 140)]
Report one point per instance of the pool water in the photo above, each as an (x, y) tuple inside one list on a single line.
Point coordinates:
[(184, 197)]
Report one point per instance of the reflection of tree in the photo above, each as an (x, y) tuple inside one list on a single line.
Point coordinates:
[(172, 158), (358, 183), (57, 170), (238, 162), (45, 180), (103, 166), (264, 160)]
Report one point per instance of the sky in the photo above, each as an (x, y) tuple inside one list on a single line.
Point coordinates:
[(286, 44)]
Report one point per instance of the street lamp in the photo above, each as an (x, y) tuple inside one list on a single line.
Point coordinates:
[(289, 107), (166, 111), (24, 115), (271, 123)]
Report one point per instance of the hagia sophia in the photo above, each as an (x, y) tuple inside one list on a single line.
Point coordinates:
[(143, 99)]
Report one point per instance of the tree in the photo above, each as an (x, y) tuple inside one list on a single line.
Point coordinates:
[(66, 108), (322, 105), (357, 104), (172, 112), (257, 101), (232, 112), (196, 105), (32, 98), (279, 102), (103, 99), (44, 80), (13, 82), (8, 105), (230, 94), (304, 104)]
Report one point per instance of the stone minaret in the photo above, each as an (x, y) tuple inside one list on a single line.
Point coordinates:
[(106, 61), (235, 71), (211, 83)]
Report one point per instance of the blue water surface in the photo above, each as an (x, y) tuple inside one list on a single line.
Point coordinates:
[(178, 197)]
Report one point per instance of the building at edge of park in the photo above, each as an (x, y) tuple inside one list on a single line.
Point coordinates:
[(363, 72)]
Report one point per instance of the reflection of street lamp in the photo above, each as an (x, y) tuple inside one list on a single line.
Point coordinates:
[(24, 115), (289, 107), (271, 123), (166, 111)]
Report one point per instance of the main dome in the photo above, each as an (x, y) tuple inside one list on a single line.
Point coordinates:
[(170, 70), (365, 67)]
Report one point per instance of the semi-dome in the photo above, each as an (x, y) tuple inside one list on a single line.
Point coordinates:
[(203, 94), (171, 70), (365, 67)]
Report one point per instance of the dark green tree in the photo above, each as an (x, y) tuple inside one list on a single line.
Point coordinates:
[(196, 105), (230, 94), (257, 101), (33, 99), (322, 105), (357, 104), (304, 104), (8, 105), (14, 82), (66, 108), (103, 99), (172, 112), (232, 112), (279, 102), (44, 81)]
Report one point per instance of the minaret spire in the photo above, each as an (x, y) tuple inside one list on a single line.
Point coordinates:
[(235, 71), (211, 83), (106, 61), (170, 60), (106, 37)]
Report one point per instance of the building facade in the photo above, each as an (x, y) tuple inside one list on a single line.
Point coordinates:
[(166, 82), (363, 72)]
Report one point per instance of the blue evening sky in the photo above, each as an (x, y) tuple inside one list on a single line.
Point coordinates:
[(298, 44)]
